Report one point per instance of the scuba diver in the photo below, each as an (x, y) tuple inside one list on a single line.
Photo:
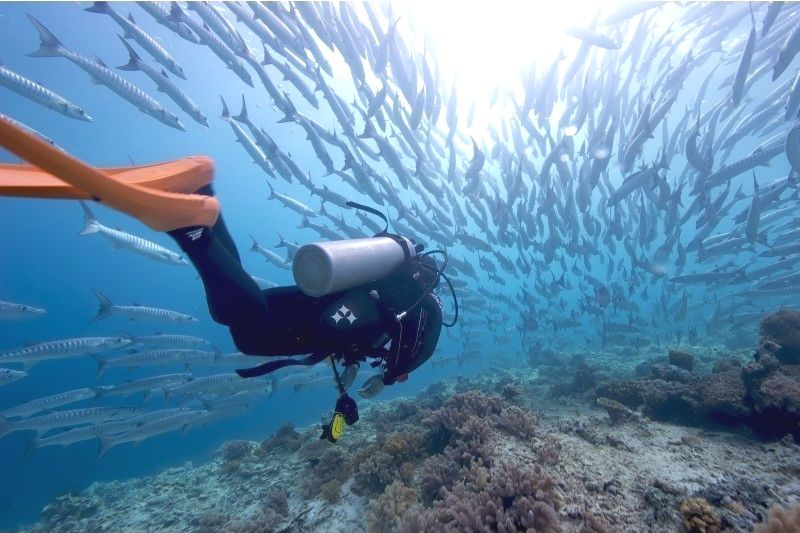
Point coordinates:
[(354, 324), (354, 300)]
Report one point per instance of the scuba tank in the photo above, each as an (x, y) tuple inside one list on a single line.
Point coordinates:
[(322, 268)]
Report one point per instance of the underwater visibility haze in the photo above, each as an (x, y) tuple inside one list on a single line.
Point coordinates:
[(615, 188)]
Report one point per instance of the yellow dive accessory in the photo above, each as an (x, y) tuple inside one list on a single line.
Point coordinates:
[(344, 414), (337, 427)]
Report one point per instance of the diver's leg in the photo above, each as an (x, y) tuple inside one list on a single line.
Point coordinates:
[(220, 229), (233, 297)]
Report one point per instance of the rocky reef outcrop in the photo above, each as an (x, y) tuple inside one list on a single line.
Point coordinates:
[(763, 394)]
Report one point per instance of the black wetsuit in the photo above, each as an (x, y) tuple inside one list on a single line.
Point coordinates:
[(285, 321)]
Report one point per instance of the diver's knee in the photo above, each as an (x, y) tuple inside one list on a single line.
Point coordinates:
[(246, 342)]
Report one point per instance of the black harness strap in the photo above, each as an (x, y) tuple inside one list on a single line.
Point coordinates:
[(272, 366), (401, 241)]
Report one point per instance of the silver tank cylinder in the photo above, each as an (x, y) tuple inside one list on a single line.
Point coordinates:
[(322, 268)]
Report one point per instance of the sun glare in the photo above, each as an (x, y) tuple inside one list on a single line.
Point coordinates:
[(487, 46)]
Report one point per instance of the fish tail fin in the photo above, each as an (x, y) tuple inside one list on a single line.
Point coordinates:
[(267, 58), (106, 443), (273, 382), (208, 405), (303, 223), (30, 447), (104, 309), (280, 241), (254, 246), (99, 393), (49, 45), (242, 117), (348, 161), (99, 7), (90, 224), (225, 113), (6, 426), (128, 336), (134, 59), (102, 364), (271, 191)]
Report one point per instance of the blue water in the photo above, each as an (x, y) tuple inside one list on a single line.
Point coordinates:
[(43, 262)]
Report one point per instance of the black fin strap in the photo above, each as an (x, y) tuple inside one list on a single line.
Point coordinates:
[(272, 366)]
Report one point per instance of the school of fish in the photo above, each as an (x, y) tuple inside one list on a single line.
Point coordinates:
[(641, 190)]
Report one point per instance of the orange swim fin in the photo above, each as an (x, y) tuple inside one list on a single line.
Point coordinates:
[(159, 195)]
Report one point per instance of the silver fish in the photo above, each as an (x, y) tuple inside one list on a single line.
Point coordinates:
[(132, 31), (183, 357), (14, 311), (52, 47), (44, 351), (40, 94), (165, 85), (137, 312), (60, 419), (49, 402), (7, 375), (269, 255), (126, 241), (150, 429)]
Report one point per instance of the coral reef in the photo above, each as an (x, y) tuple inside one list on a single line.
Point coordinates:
[(617, 412), (628, 393), (699, 516), (681, 358), (326, 471), (669, 372), (208, 522), (782, 521), (592, 524), (764, 394), (773, 392), (230, 467), (584, 379), (286, 438), (721, 396), (71, 505), (277, 501), (386, 511), (234, 450), (783, 328), (380, 464), (503, 498), (266, 522), (471, 454), (331, 491)]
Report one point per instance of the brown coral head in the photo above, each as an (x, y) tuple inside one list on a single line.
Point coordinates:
[(699, 516)]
